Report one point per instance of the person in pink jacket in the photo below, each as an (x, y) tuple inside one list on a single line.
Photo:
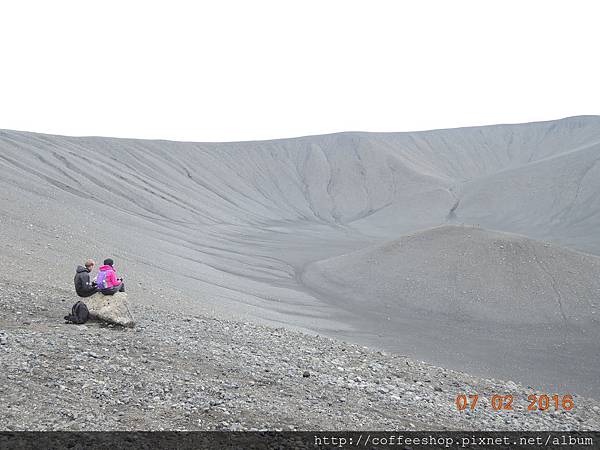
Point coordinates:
[(107, 280)]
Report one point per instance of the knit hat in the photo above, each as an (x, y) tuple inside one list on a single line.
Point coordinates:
[(108, 262)]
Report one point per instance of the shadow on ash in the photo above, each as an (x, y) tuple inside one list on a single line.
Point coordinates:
[(110, 308)]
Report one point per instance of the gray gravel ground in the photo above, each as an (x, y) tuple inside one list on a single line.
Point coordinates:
[(180, 372)]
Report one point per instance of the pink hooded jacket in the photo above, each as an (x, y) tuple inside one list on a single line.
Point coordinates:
[(111, 276)]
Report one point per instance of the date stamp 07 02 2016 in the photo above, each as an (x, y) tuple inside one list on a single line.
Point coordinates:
[(505, 402)]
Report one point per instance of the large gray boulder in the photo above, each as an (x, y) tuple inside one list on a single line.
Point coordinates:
[(110, 308)]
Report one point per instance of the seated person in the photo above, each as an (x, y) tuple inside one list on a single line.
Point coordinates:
[(107, 280), (84, 286)]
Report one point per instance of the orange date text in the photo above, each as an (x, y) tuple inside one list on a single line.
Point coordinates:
[(498, 402)]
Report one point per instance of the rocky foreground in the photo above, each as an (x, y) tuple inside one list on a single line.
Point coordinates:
[(179, 372)]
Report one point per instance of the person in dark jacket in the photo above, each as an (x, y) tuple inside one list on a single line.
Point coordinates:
[(83, 283)]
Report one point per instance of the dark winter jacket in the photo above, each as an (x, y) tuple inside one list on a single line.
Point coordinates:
[(83, 283)]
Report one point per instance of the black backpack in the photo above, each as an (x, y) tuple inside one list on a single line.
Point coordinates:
[(79, 313)]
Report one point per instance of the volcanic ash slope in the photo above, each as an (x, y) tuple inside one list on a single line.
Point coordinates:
[(228, 228), (476, 299)]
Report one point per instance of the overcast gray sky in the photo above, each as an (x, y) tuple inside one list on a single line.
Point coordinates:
[(239, 70)]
